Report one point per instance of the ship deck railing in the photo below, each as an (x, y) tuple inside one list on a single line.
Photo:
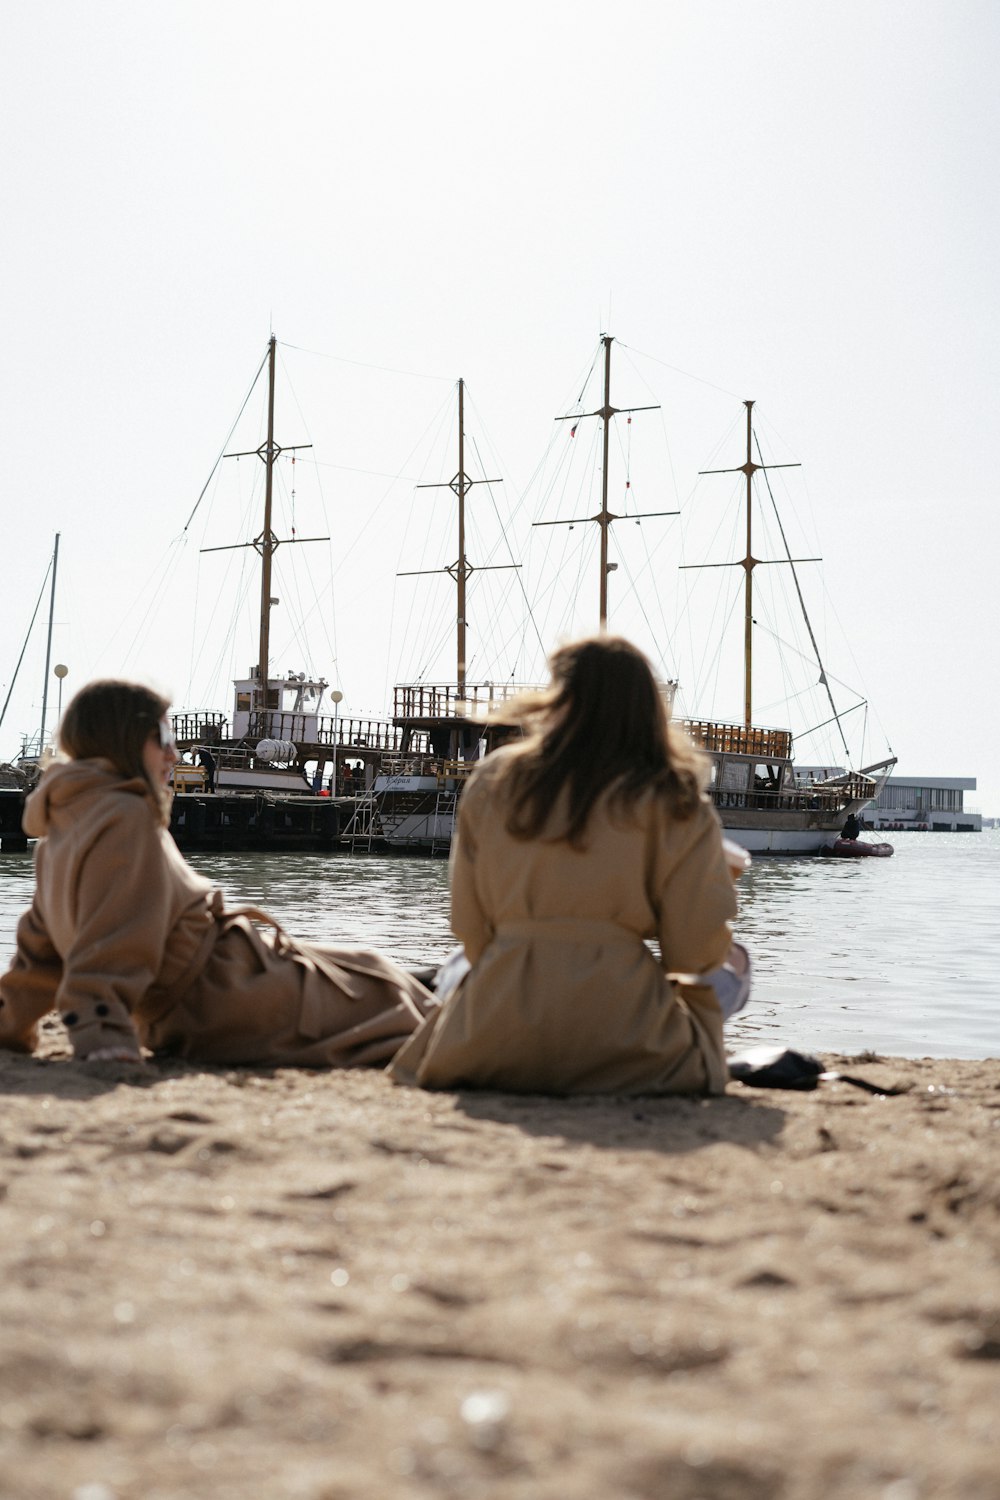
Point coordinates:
[(242, 758), (739, 739), (855, 786), (200, 728), (455, 770), (817, 798), (445, 700), (419, 764), (325, 731)]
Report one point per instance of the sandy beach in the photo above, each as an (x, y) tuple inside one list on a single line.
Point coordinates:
[(324, 1287)]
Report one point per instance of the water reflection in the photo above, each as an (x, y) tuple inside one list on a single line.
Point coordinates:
[(897, 955), (397, 905)]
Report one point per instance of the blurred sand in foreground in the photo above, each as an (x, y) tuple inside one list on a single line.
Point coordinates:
[(302, 1286)]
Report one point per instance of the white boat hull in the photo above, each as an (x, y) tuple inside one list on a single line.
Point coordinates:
[(409, 817), (427, 828), (409, 812), (781, 840), (416, 828)]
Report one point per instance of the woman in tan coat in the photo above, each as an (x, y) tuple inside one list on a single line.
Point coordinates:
[(135, 949), (573, 847)]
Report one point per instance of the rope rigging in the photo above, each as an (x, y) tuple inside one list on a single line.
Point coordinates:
[(222, 450), (802, 603), (20, 659)]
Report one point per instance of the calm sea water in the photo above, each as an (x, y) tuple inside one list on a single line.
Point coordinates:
[(898, 955)]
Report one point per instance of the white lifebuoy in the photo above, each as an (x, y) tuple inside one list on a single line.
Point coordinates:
[(272, 750)]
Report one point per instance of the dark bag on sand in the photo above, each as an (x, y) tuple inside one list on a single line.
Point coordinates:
[(776, 1068), (784, 1068)]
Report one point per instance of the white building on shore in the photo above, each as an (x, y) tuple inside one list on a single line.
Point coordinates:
[(928, 803)]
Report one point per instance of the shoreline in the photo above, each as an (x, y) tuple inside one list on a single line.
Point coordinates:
[(321, 1286)]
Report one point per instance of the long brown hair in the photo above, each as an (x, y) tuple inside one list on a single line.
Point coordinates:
[(112, 720), (602, 722)]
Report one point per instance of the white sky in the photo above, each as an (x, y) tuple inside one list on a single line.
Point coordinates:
[(794, 203)]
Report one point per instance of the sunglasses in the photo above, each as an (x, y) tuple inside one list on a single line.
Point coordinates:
[(164, 732)]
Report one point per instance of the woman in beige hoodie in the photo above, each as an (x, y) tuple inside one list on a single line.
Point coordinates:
[(134, 949), (574, 846)]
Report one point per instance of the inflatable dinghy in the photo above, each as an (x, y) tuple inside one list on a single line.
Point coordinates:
[(856, 849)]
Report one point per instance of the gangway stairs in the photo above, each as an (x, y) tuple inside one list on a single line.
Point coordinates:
[(444, 820), (363, 825)]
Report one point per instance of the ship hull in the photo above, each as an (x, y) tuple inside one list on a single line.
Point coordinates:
[(785, 840), (410, 816)]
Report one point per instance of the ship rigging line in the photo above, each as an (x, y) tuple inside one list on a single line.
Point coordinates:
[(510, 552), (806, 656), (667, 636), (678, 371), (802, 606), (222, 452), (723, 611), (299, 633), (863, 703), (408, 634), (27, 638), (363, 364), (503, 651)]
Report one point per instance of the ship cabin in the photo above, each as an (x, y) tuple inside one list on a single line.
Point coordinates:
[(446, 729), (287, 733), (291, 711), (752, 768)]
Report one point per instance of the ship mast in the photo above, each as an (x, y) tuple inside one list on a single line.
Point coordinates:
[(748, 567), (749, 562), (604, 519), (605, 516), (267, 540), (266, 543), (461, 484), (48, 648), (462, 566)]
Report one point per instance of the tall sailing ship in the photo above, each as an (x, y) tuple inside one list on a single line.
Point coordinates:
[(765, 804), (267, 774), (270, 773)]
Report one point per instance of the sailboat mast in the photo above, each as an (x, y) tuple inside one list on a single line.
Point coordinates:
[(604, 519), (266, 544), (749, 562), (748, 567), (267, 540), (604, 516), (461, 569), (48, 647)]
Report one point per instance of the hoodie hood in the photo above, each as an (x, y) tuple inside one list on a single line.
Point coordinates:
[(68, 788)]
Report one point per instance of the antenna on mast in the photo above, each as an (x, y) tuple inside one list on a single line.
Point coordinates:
[(605, 516)]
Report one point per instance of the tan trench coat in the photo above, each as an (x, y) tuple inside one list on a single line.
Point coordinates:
[(128, 942), (564, 996)]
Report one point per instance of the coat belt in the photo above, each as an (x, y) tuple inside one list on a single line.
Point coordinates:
[(567, 930), (341, 971)]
